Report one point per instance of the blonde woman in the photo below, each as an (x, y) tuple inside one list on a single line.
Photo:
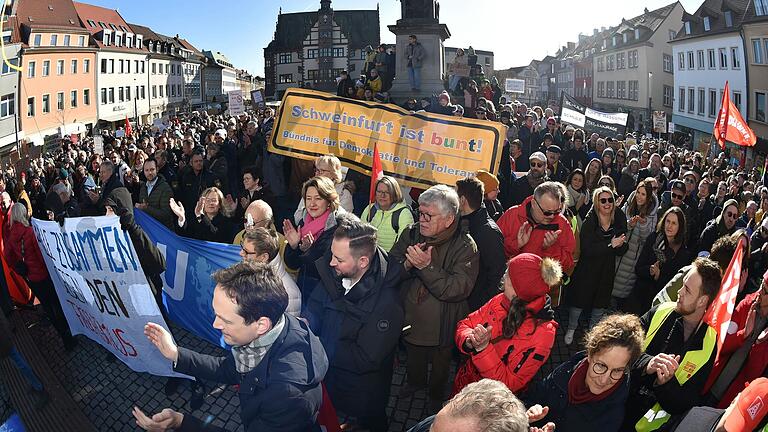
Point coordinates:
[(329, 166), (213, 219)]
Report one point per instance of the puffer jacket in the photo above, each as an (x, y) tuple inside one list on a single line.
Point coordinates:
[(625, 264), (435, 298), (24, 235), (385, 226), (513, 361)]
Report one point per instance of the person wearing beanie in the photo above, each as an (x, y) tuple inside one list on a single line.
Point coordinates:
[(509, 338), (491, 193), (723, 224), (443, 105)]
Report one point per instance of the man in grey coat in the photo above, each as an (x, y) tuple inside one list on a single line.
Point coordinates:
[(414, 55), (155, 195)]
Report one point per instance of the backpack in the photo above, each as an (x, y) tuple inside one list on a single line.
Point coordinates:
[(395, 216)]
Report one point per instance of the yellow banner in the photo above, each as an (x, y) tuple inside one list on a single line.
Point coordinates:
[(420, 150)]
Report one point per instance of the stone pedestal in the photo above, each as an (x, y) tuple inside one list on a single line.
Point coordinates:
[(431, 36)]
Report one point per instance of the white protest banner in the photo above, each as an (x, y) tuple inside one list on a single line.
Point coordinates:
[(512, 85), (98, 145), (659, 122), (236, 105), (671, 128), (102, 288)]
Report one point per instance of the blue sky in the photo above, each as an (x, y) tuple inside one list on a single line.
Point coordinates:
[(517, 31)]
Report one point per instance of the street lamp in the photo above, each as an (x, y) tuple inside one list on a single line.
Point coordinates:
[(650, 98)]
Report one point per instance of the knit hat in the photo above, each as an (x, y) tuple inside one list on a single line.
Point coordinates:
[(751, 407), (490, 182), (63, 173), (532, 277), (445, 95)]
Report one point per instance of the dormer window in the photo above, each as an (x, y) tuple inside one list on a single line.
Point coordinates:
[(107, 38), (687, 27), (139, 41), (614, 41), (707, 25), (637, 34), (625, 37), (728, 18), (91, 23), (118, 39)]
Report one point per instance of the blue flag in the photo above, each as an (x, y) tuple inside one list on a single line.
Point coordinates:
[(187, 283)]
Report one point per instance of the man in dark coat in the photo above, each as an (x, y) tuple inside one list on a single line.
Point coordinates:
[(37, 194), (489, 240), (523, 186), (275, 359), (345, 83), (155, 195), (109, 182), (194, 182), (358, 317)]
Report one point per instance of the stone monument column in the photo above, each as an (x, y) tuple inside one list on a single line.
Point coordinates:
[(419, 18)]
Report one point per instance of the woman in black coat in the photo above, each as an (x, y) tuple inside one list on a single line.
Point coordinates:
[(312, 238), (602, 238), (664, 253), (589, 391), (213, 221)]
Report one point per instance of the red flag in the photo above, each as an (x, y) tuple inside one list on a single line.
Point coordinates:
[(730, 126), (128, 130), (718, 316), (377, 172), (326, 417)]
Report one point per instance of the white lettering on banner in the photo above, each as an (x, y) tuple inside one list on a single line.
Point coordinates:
[(102, 288), (176, 291), (613, 118), (573, 117)]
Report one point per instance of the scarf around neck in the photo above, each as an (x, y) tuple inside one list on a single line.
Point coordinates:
[(247, 357), (578, 390), (315, 226)]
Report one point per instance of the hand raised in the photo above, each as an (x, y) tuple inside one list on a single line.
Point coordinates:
[(291, 234), (163, 340)]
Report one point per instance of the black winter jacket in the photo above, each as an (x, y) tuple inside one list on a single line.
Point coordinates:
[(493, 261)]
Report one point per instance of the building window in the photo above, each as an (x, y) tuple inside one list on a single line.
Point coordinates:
[(86, 66), (107, 39), (7, 105), (6, 68), (111, 95), (735, 62), (160, 88), (760, 106), (728, 18), (46, 104), (154, 92), (672, 34), (46, 70), (667, 61), (128, 93), (736, 99), (610, 60), (338, 52), (621, 89), (707, 25), (600, 89), (691, 65), (60, 67), (362, 54), (103, 96), (621, 60), (103, 66), (167, 68), (111, 66), (118, 40), (143, 94), (31, 70), (122, 66), (30, 107), (691, 100), (73, 99), (81, 41), (285, 78), (712, 102), (667, 96), (723, 58), (600, 66), (66, 40), (74, 66), (60, 101), (127, 66), (284, 58), (36, 40), (711, 58), (700, 59), (154, 69), (54, 40), (634, 89), (687, 27), (86, 96), (761, 7), (702, 102), (611, 89), (681, 102), (757, 51), (681, 61), (633, 59)]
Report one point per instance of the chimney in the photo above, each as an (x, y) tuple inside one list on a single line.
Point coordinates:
[(595, 31), (571, 45), (602, 29), (645, 11)]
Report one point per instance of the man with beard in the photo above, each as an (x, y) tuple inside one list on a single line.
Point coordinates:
[(679, 353), (523, 187), (358, 317), (654, 170)]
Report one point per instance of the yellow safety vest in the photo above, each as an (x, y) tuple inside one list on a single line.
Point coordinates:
[(692, 362)]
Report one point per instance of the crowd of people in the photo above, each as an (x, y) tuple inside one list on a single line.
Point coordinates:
[(626, 236)]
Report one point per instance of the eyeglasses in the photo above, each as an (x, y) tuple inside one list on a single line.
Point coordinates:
[(537, 165), (600, 369), (426, 216), (321, 171), (246, 252), (547, 213), (382, 192), (606, 200), (248, 224), (731, 215), (677, 196), (605, 184)]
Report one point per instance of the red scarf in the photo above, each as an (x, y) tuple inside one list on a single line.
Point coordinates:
[(578, 391), (315, 226)]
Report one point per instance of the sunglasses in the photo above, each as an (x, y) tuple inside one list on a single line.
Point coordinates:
[(537, 165), (677, 196), (606, 200), (547, 213), (605, 184), (731, 215)]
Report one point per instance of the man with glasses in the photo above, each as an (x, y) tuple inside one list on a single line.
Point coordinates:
[(523, 186), (679, 353), (441, 265), (537, 226), (747, 219), (263, 245)]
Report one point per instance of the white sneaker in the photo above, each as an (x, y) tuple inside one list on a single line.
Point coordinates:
[(569, 337)]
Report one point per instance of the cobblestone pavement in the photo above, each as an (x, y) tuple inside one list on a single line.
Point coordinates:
[(107, 390)]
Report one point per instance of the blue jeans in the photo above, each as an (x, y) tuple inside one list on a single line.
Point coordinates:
[(574, 313), (25, 369), (414, 76)]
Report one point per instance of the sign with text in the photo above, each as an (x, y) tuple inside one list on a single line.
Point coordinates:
[(592, 121), (660, 122), (257, 99), (512, 85), (420, 149), (102, 288), (236, 103)]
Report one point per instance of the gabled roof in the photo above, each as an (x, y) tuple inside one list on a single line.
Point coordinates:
[(145, 31), (218, 58), (109, 17), (648, 22), (361, 28), (49, 14), (715, 11)]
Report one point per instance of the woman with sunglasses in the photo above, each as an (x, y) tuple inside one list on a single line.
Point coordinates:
[(724, 224), (664, 253), (602, 239), (589, 391), (640, 210)]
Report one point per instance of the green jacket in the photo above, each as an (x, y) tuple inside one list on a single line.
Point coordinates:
[(388, 231), (158, 202)]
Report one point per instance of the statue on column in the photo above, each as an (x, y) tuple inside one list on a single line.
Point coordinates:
[(420, 10)]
